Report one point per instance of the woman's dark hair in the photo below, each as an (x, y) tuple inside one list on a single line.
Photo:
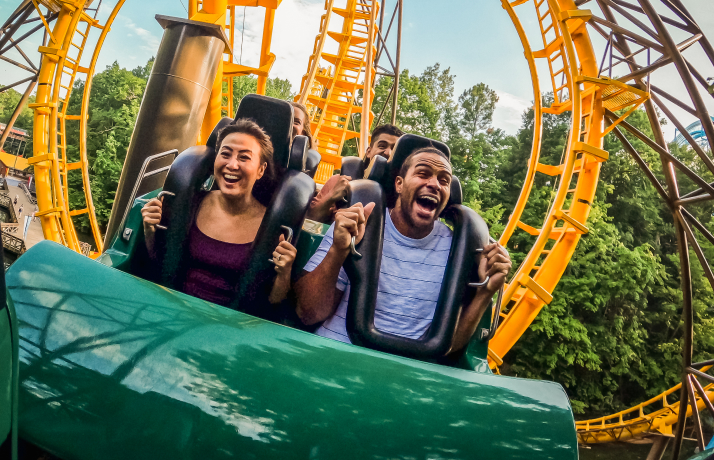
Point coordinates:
[(263, 187), (305, 127)]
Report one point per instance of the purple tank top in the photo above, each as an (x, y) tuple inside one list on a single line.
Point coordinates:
[(214, 267)]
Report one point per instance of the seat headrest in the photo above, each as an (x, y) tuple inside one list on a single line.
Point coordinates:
[(406, 145), (213, 138), (275, 116), (352, 167), (456, 196)]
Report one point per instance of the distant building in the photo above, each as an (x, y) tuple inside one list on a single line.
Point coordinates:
[(696, 131), (16, 133)]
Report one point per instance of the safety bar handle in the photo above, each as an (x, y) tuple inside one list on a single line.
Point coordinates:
[(162, 194), (288, 237)]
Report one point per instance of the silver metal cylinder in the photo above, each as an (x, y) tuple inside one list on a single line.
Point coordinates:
[(174, 102)]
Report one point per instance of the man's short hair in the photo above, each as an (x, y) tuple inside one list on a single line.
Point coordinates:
[(410, 159), (385, 129)]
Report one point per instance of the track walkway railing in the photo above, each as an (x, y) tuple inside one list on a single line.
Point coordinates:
[(655, 416)]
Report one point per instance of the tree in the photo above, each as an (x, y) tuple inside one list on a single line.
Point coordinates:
[(248, 84), (115, 100), (476, 106)]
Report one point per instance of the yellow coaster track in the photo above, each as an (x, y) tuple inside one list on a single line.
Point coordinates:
[(577, 88), (59, 69), (652, 417), (330, 92)]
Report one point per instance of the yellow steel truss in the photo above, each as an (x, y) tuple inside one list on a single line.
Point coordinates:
[(573, 76), (655, 416), (330, 87), (223, 12), (59, 69)]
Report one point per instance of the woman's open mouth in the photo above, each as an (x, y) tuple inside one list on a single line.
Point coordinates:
[(231, 178)]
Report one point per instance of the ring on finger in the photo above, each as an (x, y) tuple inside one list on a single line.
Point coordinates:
[(278, 258)]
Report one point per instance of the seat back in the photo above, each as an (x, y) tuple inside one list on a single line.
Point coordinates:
[(185, 188), (275, 116), (470, 235)]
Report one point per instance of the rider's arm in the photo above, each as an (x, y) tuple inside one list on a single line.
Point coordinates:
[(317, 296), (322, 206), (318, 292), (151, 215), (283, 258), (495, 263)]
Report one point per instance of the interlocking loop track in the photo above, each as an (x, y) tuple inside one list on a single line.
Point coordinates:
[(59, 68)]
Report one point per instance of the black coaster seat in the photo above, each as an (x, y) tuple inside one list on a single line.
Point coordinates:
[(470, 235), (286, 197)]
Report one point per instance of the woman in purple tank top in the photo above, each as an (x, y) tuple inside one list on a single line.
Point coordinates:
[(227, 221)]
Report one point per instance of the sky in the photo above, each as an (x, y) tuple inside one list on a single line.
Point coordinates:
[(475, 39)]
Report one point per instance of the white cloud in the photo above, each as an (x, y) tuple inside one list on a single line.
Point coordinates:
[(150, 42), (509, 110), (296, 24)]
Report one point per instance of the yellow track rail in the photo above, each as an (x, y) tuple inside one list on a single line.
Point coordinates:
[(655, 416), (573, 78), (58, 72), (330, 87)]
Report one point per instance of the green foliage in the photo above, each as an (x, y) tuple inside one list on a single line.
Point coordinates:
[(248, 84), (476, 107), (115, 100)]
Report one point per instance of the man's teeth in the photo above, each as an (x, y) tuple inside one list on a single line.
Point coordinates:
[(230, 177), (430, 198)]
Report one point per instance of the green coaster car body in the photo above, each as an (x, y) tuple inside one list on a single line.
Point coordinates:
[(115, 367)]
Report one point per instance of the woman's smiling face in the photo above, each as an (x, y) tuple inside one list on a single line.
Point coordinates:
[(238, 165)]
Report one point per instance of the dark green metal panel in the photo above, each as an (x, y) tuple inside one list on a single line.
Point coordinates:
[(6, 374), (113, 366), (121, 250), (9, 377)]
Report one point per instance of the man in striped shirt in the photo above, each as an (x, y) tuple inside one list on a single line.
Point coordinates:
[(415, 252)]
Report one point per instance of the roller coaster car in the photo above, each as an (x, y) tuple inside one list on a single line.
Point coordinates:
[(113, 365)]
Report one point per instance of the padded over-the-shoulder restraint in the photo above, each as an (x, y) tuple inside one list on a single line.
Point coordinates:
[(470, 235), (312, 162), (287, 207), (275, 116)]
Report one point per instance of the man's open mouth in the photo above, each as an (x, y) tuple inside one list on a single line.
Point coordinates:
[(428, 202)]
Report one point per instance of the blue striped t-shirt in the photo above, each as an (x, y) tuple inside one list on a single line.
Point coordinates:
[(410, 279)]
